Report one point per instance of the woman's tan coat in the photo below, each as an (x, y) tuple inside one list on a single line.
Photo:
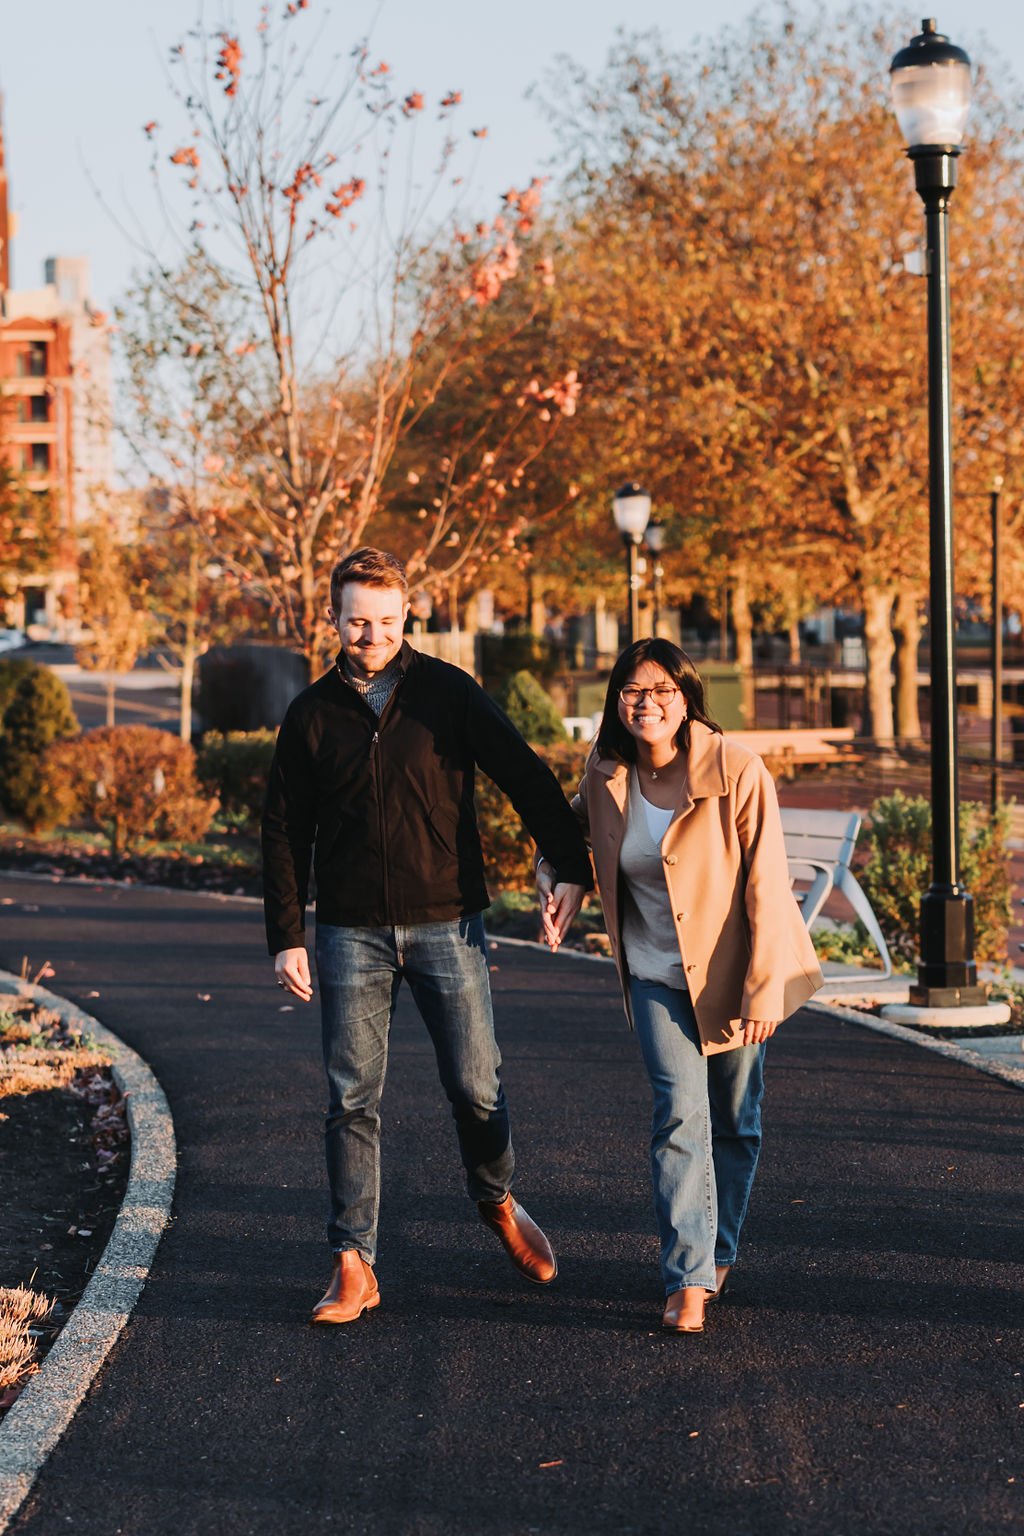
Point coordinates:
[(745, 950)]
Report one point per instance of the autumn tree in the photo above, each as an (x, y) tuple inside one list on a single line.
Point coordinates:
[(321, 294), (197, 593), (29, 530), (110, 607), (750, 334)]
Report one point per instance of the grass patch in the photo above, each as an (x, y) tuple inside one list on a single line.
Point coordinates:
[(39, 1051), (21, 1310)]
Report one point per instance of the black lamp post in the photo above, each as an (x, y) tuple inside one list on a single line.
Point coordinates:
[(631, 508), (931, 90), (654, 538), (997, 642)]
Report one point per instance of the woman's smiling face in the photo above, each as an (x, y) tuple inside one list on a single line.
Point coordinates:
[(655, 714)]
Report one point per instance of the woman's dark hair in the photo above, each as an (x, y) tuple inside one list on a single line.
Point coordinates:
[(613, 740)]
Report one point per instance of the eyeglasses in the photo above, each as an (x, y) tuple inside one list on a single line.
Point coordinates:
[(660, 694)]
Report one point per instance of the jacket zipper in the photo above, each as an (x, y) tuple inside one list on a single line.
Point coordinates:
[(382, 824)]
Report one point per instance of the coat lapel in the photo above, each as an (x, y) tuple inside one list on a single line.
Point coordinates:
[(706, 777)]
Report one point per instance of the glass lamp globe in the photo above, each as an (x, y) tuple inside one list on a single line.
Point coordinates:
[(931, 90), (631, 508)]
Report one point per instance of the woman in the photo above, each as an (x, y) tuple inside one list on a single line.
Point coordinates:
[(709, 944)]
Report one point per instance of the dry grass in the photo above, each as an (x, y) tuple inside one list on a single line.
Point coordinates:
[(38, 1052), (20, 1308)]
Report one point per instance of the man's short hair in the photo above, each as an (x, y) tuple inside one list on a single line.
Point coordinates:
[(372, 568)]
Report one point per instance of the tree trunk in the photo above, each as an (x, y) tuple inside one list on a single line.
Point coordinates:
[(188, 672), (794, 642), (538, 607), (190, 648), (907, 632), (743, 627), (878, 643), (111, 687)]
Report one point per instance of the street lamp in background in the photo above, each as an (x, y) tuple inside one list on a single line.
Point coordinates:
[(931, 92), (631, 508), (421, 606), (654, 538), (997, 642)]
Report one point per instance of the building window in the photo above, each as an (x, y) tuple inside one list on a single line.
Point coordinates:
[(31, 363), (39, 408), (37, 458)]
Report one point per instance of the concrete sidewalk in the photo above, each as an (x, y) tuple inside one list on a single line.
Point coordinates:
[(863, 1375)]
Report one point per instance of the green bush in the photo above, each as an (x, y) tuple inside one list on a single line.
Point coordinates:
[(234, 766), (38, 714), (503, 655), (508, 847), (12, 670), (131, 782), (532, 711), (898, 871)]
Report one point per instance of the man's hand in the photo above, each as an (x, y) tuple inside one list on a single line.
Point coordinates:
[(559, 904), (757, 1031), (291, 968)]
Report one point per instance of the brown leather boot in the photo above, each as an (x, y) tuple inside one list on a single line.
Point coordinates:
[(721, 1276), (352, 1291), (684, 1310), (521, 1238)]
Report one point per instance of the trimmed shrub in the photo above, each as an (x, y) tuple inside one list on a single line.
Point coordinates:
[(234, 767), (12, 670), (898, 871), (133, 783), (531, 710), (38, 714), (508, 847)]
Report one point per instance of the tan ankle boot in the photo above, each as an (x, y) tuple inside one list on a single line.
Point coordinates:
[(521, 1238), (352, 1291)]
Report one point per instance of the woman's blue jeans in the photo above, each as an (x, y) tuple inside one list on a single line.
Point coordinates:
[(705, 1135), (360, 971)]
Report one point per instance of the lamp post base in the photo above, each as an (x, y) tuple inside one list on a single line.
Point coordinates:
[(947, 976), (948, 997)]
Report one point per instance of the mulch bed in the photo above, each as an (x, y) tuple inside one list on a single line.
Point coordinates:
[(50, 856), (64, 1160)]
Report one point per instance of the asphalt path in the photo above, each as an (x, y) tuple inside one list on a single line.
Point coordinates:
[(864, 1376)]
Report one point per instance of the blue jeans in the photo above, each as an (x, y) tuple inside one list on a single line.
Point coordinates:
[(360, 971), (705, 1135)]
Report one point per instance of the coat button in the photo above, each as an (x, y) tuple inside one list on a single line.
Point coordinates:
[(670, 858), (691, 967), (681, 917)]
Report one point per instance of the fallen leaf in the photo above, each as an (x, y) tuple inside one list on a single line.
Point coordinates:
[(204, 997), (550, 1463)]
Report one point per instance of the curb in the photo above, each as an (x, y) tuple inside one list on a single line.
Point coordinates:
[(947, 1048), (33, 1426)]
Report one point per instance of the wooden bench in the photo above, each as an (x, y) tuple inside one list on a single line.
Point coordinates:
[(819, 847), (801, 745)]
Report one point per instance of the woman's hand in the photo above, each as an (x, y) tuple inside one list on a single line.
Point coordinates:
[(559, 904), (757, 1031)]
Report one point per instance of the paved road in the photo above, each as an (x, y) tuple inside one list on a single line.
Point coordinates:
[(864, 1378)]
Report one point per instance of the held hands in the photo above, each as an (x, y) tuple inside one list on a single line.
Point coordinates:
[(291, 968), (757, 1031), (559, 904)]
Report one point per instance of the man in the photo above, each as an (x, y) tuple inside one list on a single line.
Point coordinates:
[(373, 776)]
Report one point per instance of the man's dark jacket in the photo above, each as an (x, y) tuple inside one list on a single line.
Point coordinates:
[(388, 803)]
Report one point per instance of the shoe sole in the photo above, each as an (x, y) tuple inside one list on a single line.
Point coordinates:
[(320, 1319)]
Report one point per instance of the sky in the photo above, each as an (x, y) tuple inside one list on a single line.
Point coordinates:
[(79, 80)]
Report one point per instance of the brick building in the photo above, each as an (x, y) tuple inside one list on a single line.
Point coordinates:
[(55, 425)]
